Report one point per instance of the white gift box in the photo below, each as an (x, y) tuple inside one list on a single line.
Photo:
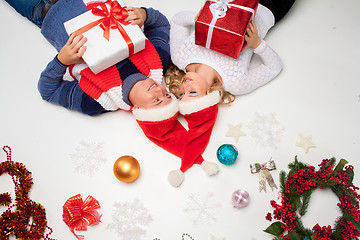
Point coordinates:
[(101, 53)]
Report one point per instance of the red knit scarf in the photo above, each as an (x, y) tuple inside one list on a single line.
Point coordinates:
[(106, 86)]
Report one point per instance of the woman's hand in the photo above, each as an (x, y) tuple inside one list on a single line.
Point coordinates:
[(73, 50), (198, 14), (252, 39), (136, 16)]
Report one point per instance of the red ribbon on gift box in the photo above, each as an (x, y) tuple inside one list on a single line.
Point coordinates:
[(110, 20), (78, 214)]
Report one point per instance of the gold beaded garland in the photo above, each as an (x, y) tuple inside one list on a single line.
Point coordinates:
[(186, 235), (182, 237)]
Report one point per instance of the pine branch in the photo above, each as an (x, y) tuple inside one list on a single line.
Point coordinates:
[(337, 231), (282, 179), (303, 165), (278, 238), (305, 202), (332, 161), (308, 232), (292, 166), (300, 226), (341, 190), (347, 216), (296, 165)]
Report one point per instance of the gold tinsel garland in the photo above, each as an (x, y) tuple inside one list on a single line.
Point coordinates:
[(28, 220)]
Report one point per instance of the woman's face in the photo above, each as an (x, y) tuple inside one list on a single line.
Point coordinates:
[(193, 86), (149, 94)]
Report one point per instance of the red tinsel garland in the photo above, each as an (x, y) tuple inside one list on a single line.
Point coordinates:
[(17, 222)]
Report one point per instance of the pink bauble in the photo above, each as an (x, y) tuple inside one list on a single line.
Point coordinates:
[(240, 198)]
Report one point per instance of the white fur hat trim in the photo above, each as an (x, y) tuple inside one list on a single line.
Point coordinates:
[(157, 114), (198, 104)]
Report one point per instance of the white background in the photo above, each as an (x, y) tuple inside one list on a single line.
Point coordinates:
[(317, 94)]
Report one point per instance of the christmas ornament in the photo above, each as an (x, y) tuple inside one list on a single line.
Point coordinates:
[(305, 142), (126, 168), (227, 154), (265, 174), (240, 198), (212, 237), (28, 221), (79, 214), (202, 208), (296, 189), (130, 220), (235, 131)]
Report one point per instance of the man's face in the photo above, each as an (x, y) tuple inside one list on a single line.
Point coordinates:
[(149, 94)]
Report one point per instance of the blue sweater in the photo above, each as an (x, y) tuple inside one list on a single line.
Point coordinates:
[(52, 86)]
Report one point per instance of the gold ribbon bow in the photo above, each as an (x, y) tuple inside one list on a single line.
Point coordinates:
[(265, 174)]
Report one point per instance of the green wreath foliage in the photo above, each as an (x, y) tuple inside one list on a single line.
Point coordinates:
[(296, 188)]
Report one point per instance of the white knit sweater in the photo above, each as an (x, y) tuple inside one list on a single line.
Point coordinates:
[(237, 76)]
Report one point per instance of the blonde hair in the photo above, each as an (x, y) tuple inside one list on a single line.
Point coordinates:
[(174, 78)]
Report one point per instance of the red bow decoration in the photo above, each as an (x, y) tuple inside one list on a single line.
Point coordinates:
[(78, 214), (110, 20)]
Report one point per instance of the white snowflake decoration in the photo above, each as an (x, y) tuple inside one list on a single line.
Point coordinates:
[(130, 219), (202, 208), (88, 157), (266, 130)]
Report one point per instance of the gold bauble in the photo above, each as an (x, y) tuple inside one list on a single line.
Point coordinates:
[(126, 168)]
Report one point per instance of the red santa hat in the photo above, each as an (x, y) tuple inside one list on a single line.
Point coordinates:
[(200, 115), (161, 126)]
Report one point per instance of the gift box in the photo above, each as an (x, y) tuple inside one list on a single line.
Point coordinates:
[(110, 38), (222, 24)]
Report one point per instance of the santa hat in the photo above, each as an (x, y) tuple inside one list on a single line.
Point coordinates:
[(161, 126), (200, 115)]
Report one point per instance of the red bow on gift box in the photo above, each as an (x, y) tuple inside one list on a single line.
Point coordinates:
[(110, 20), (78, 214)]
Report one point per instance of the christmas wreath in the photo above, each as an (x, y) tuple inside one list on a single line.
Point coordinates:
[(296, 189)]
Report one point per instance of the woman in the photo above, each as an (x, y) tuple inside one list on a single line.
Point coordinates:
[(202, 70)]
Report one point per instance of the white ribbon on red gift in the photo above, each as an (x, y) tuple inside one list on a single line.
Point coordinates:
[(218, 9)]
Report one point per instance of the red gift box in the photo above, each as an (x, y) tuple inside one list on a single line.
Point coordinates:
[(221, 25)]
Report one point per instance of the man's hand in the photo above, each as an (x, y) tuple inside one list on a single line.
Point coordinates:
[(73, 50), (136, 16)]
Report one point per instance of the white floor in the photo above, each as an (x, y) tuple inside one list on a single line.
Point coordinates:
[(317, 94)]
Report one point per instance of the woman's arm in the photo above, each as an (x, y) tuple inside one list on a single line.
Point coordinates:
[(260, 75), (181, 28), (181, 25)]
